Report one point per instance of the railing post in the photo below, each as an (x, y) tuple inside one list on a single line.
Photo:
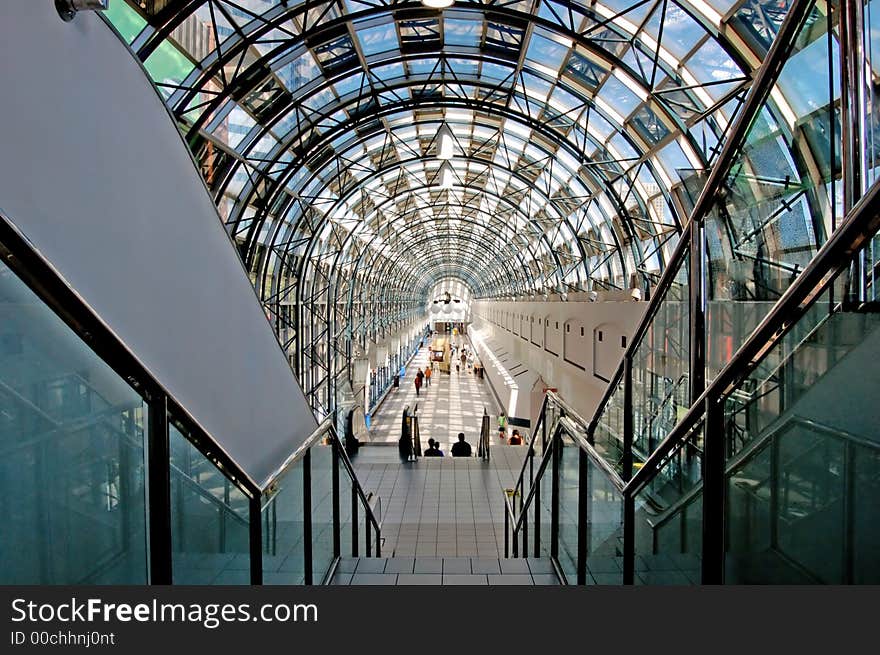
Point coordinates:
[(554, 503), (628, 500), (337, 528), (256, 538), (159, 462), (368, 535), (307, 518), (536, 502), (506, 532), (714, 510), (582, 514), (629, 538), (354, 521)]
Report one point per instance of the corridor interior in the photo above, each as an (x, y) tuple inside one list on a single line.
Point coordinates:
[(442, 517)]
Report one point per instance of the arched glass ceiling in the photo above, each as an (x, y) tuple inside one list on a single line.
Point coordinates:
[(581, 133)]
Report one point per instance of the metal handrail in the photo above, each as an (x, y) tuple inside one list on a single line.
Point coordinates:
[(323, 427), (207, 495), (349, 469), (832, 258)]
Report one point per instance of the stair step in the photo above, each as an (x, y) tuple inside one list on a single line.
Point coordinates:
[(393, 571)]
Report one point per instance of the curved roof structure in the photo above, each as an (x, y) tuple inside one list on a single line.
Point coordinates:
[(363, 151)]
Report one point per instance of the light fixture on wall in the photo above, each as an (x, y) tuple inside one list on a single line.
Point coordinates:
[(445, 142), (438, 4), (67, 9)]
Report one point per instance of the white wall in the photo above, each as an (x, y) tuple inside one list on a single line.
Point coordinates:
[(95, 174), (559, 341)]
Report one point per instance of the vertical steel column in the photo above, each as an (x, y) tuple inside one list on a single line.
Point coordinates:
[(256, 538), (337, 528), (583, 515), (308, 576), (714, 510), (852, 105), (159, 472)]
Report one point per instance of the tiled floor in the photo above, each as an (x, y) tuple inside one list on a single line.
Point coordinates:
[(439, 507), (444, 571)]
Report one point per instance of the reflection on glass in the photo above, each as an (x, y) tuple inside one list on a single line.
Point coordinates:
[(568, 508), (660, 365), (72, 439), (669, 518), (802, 437), (604, 528), (210, 538), (322, 510), (282, 516), (777, 204)]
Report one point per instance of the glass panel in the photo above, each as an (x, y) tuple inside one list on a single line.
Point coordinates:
[(283, 546), (322, 510), (777, 203), (661, 393), (546, 510), (568, 508), (802, 435), (608, 437), (210, 538), (72, 438), (604, 528), (668, 519), (344, 514)]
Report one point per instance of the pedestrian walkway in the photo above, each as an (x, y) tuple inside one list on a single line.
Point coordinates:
[(445, 571), (453, 403), (439, 507)]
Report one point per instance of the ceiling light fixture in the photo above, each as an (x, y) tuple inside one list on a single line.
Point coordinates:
[(438, 4), (445, 142)]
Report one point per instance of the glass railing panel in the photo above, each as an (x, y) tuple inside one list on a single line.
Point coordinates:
[(546, 509), (608, 436), (802, 430), (210, 537), (660, 366), (345, 496), (668, 518), (72, 443), (604, 517), (778, 203), (283, 520), (322, 509), (568, 506), (866, 531), (362, 531)]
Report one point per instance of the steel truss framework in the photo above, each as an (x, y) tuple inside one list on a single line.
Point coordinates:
[(583, 133)]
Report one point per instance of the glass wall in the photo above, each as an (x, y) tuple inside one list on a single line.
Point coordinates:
[(72, 467), (780, 198), (210, 538)]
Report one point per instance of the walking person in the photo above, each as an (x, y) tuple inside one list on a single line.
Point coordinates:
[(463, 358), (418, 381), (428, 373)]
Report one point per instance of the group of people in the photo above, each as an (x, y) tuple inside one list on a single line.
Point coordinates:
[(461, 448), (515, 438), (423, 378)]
